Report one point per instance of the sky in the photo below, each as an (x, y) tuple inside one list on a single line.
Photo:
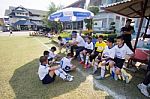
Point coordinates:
[(32, 4)]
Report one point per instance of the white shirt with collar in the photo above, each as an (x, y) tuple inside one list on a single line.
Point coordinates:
[(121, 52), (43, 71), (80, 41), (89, 46)]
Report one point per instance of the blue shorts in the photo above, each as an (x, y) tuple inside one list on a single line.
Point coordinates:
[(48, 79)]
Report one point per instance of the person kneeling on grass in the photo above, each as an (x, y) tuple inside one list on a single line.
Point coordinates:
[(107, 59), (65, 63), (47, 74), (86, 52), (121, 51), (63, 43)]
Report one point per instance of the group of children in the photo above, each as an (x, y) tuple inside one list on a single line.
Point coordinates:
[(47, 71), (101, 55)]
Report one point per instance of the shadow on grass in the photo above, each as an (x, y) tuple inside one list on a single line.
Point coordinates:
[(26, 84)]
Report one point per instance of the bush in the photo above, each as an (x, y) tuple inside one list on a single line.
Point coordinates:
[(105, 36), (65, 35), (86, 32)]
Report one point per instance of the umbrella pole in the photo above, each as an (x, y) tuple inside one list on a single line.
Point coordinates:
[(147, 26)]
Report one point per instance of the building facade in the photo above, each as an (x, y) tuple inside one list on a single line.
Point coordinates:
[(21, 18)]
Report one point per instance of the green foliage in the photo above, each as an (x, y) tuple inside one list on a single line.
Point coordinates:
[(94, 9), (65, 35), (89, 23), (105, 35), (52, 24)]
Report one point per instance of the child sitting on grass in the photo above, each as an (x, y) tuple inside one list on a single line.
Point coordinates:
[(86, 52), (107, 59), (121, 51), (65, 63), (63, 43), (47, 74), (52, 57)]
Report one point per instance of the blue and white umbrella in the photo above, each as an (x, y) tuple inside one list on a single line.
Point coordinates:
[(70, 14)]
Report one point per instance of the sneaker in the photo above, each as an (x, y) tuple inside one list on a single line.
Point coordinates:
[(82, 62), (69, 78), (143, 89), (70, 75), (86, 66), (99, 78)]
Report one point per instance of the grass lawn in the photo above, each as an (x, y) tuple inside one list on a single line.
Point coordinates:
[(18, 73)]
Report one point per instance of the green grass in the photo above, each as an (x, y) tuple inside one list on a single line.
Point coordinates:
[(18, 73)]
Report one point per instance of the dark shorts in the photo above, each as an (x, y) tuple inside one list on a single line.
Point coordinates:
[(88, 50), (61, 44), (119, 62), (48, 79), (50, 59)]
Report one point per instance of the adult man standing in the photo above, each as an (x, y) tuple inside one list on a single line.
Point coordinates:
[(78, 43), (126, 32)]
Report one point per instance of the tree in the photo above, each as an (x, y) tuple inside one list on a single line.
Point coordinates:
[(52, 24), (89, 22), (94, 9)]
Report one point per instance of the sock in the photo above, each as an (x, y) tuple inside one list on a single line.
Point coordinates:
[(86, 60), (81, 56), (103, 71), (123, 73), (112, 71), (60, 74), (95, 66)]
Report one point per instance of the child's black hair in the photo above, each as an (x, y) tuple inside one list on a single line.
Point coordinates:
[(90, 38), (59, 37), (43, 59), (120, 37), (46, 53), (70, 54), (53, 48), (110, 40), (100, 36)]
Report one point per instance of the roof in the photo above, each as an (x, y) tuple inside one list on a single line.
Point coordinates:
[(129, 8), (24, 22), (33, 11)]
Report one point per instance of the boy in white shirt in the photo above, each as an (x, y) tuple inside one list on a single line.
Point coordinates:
[(65, 63), (107, 59), (121, 51), (47, 74), (86, 52), (52, 57)]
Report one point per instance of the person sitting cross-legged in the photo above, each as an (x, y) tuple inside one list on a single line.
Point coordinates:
[(107, 59), (86, 52)]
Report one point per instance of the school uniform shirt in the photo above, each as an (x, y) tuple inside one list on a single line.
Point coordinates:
[(80, 41), (121, 52), (63, 41), (65, 62), (51, 55), (109, 52), (89, 46), (43, 71), (100, 46)]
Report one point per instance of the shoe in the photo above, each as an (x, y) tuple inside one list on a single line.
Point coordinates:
[(69, 78), (82, 62), (143, 89), (99, 78), (70, 75), (86, 66)]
